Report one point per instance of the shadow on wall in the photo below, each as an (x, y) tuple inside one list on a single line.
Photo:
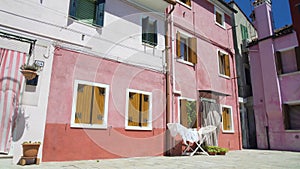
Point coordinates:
[(18, 124)]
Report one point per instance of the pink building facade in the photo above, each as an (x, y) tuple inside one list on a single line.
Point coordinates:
[(203, 88), (275, 63)]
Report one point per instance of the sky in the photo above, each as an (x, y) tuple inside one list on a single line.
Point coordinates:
[(280, 9)]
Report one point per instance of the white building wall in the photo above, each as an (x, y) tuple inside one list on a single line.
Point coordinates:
[(119, 38)]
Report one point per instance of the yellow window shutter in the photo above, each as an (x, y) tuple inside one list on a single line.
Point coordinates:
[(178, 52), (133, 109), (192, 50), (83, 105), (225, 118), (145, 110), (183, 113), (188, 2), (98, 105), (227, 66)]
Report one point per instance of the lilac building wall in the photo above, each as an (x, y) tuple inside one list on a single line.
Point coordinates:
[(270, 90)]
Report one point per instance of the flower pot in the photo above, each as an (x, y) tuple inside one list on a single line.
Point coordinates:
[(211, 153), (221, 153), (29, 74), (30, 150)]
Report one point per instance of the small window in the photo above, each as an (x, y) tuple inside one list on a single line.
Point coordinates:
[(288, 61), (224, 64), (149, 31), (186, 48), (90, 105), (291, 116), (244, 31), (138, 110), (186, 2), (227, 119), (219, 17), (188, 113), (88, 11)]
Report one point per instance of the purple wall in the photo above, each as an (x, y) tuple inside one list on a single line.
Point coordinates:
[(270, 90)]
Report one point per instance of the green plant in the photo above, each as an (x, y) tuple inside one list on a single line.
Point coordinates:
[(224, 150), (32, 67), (30, 142)]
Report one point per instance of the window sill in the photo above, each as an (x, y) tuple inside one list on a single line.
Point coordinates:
[(228, 132), (185, 62), (148, 45), (292, 131), (224, 76), (83, 23), (88, 126), (138, 128), (289, 74), (185, 5), (222, 26)]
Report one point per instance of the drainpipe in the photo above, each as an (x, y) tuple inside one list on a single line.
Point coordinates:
[(168, 139)]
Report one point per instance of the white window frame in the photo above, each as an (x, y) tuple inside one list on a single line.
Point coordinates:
[(219, 71), (152, 20), (178, 106), (185, 36), (92, 126), (183, 4), (149, 127), (231, 116), (223, 17)]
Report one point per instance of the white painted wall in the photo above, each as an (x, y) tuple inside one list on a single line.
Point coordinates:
[(119, 38)]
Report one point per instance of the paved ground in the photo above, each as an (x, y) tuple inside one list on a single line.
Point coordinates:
[(254, 159)]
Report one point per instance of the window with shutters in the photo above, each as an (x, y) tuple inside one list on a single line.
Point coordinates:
[(88, 11), (188, 113), (244, 31), (185, 2), (90, 105), (291, 115), (138, 111), (186, 48), (288, 61), (227, 119), (149, 31), (224, 64), (219, 17)]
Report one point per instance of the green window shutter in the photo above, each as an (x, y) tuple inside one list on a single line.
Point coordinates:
[(145, 29), (72, 8), (100, 12), (244, 32), (155, 33), (85, 11)]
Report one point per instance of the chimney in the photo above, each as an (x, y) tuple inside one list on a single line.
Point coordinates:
[(263, 18)]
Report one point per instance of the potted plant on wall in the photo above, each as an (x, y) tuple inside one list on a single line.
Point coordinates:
[(212, 150), (222, 151), (29, 71), (30, 152), (30, 149)]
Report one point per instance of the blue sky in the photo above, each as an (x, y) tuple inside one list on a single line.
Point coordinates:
[(280, 8)]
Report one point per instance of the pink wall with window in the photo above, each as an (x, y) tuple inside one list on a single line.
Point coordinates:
[(63, 143), (198, 21)]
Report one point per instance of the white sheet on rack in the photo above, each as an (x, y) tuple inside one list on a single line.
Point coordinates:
[(190, 135)]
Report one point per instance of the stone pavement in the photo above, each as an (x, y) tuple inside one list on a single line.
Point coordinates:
[(254, 159)]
